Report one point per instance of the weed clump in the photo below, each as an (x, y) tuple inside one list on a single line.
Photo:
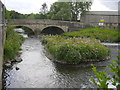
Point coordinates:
[(75, 50), (12, 43)]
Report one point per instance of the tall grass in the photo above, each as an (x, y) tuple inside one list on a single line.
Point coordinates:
[(75, 50), (103, 35), (12, 43)]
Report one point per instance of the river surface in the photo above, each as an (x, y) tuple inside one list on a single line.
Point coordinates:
[(37, 71)]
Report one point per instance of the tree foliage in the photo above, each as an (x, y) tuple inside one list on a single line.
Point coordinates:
[(44, 9), (13, 15), (58, 11), (68, 10)]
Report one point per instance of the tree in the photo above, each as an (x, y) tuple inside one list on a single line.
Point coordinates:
[(13, 15), (79, 8), (7, 14), (44, 11), (30, 16), (59, 11), (68, 10)]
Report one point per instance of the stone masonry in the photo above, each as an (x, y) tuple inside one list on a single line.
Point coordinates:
[(38, 24), (1, 40)]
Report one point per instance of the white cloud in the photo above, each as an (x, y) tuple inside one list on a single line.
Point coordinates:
[(26, 6), (105, 5), (33, 6), (97, 6)]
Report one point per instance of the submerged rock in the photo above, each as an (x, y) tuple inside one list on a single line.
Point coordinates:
[(8, 64), (17, 68), (18, 59), (19, 53)]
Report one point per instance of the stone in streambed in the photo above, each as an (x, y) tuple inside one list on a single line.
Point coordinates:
[(18, 59), (17, 68), (8, 64)]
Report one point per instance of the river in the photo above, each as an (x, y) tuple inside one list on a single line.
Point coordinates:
[(37, 71)]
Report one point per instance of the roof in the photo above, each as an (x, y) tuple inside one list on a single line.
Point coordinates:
[(103, 13)]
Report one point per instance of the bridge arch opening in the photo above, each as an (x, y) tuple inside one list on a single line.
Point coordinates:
[(27, 30), (53, 30)]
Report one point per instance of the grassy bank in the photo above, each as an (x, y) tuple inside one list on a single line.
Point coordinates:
[(75, 50), (12, 43), (103, 35)]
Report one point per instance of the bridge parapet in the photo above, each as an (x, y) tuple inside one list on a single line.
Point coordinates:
[(46, 22), (38, 24)]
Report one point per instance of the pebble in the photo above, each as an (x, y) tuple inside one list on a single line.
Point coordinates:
[(17, 68)]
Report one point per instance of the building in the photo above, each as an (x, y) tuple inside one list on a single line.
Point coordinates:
[(2, 34), (93, 17)]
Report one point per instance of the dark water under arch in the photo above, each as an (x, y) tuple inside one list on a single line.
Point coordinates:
[(52, 30)]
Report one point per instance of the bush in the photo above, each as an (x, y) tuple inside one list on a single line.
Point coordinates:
[(12, 43), (75, 50), (102, 78), (97, 33)]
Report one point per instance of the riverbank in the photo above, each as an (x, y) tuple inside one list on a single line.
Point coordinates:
[(12, 46), (104, 35)]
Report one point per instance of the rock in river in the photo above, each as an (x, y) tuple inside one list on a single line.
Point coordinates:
[(18, 59)]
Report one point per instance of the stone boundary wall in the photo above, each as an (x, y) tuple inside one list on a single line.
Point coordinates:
[(1, 57), (2, 39)]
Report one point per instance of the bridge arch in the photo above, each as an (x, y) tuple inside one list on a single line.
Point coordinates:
[(53, 30), (27, 29)]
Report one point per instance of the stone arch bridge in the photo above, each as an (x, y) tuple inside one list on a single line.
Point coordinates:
[(38, 25)]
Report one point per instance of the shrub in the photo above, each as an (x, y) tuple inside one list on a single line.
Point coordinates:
[(75, 50), (12, 43), (102, 78), (97, 33)]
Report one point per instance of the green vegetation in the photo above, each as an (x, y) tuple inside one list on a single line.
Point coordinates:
[(58, 11), (68, 10), (12, 43), (102, 78), (98, 33), (15, 15), (75, 50)]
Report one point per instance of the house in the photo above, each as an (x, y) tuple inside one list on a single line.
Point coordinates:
[(94, 17)]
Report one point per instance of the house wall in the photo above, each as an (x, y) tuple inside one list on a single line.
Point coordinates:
[(111, 19)]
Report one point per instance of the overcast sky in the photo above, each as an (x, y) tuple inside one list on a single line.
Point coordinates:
[(33, 6)]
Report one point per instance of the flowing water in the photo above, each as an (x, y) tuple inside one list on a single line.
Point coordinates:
[(37, 71)]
